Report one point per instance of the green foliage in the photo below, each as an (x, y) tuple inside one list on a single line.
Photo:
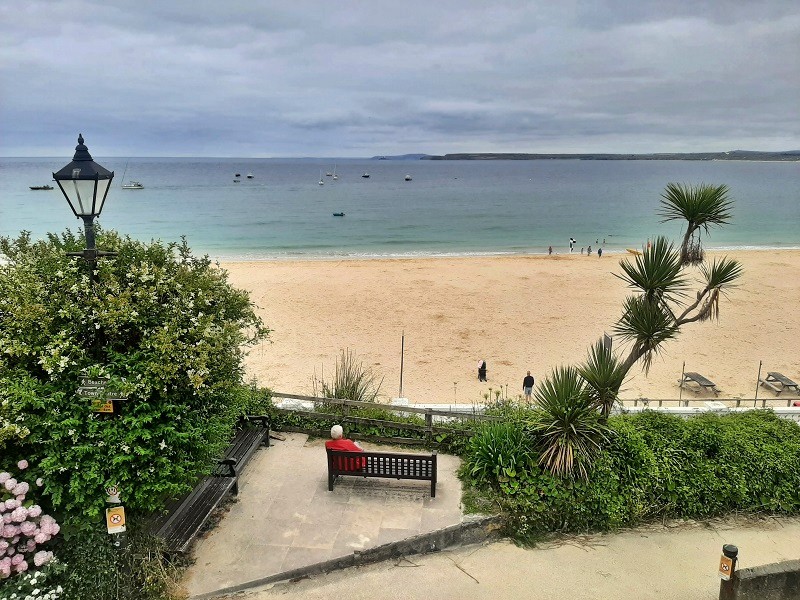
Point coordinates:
[(701, 206), (569, 429), (168, 331), (96, 570), (656, 466), (351, 380), (604, 375), (656, 273), (500, 453)]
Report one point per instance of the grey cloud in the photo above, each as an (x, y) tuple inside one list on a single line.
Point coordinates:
[(175, 78)]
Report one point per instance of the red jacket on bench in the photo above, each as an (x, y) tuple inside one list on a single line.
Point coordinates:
[(347, 464)]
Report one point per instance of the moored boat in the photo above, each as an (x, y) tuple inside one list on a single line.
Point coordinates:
[(41, 187), (132, 185)]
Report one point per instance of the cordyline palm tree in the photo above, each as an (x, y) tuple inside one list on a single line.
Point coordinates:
[(701, 206), (573, 403)]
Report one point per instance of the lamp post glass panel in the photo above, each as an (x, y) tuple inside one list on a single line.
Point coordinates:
[(85, 185)]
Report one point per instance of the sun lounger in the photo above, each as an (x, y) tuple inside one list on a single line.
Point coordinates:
[(778, 383), (699, 380)]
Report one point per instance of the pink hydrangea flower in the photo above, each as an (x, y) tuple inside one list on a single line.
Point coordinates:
[(19, 515), (21, 488), (40, 482), (34, 511), (42, 558), (22, 465), (11, 504), (4, 476), (27, 527), (21, 567), (10, 483), (16, 559), (41, 537)]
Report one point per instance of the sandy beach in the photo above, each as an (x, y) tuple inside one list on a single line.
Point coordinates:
[(519, 313)]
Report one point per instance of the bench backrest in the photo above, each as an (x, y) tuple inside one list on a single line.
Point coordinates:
[(383, 464)]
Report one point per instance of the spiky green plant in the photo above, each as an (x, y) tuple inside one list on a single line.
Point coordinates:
[(567, 424), (351, 380), (604, 374)]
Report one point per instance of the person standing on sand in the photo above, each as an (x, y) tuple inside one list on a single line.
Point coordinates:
[(482, 370), (588, 251), (527, 386), (599, 252), (549, 250)]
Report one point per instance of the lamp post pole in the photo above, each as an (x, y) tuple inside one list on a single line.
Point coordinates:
[(85, 185)]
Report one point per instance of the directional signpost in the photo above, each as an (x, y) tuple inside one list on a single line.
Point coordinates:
[(94, 388)]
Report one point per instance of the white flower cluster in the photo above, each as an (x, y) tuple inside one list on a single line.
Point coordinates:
[(23, 527)]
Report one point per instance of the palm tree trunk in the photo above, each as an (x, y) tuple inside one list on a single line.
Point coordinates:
[(690, 228)]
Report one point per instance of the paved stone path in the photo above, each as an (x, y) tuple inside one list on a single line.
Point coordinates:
[(285, 517)]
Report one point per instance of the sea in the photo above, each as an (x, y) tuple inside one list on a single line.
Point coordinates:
[(448, 208)]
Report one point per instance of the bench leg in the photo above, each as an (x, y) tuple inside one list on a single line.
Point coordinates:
[(330, 481)]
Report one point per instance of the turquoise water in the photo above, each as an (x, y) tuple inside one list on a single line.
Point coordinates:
[(449, 208)]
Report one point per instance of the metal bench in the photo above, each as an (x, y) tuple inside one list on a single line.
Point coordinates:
[(388, 465), (778, 382), (699, 380), (183, 518)]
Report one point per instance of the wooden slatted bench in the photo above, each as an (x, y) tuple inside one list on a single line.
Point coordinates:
[(778, 382), (388, 465), (184, 517), (699, 380)]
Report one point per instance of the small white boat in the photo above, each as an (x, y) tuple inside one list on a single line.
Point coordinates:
[(408, 177), (335, 176), (249, 175), (132, 185), (365, 175), (321, 182)]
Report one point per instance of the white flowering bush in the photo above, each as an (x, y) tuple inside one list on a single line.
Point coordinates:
[(24, 531), (168, 331)]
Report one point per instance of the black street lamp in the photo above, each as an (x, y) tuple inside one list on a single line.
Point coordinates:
[(85, 185)]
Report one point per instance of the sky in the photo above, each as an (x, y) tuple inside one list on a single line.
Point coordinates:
[(358, 78)]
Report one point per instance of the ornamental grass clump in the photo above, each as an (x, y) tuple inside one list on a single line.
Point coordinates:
[(24, 528)]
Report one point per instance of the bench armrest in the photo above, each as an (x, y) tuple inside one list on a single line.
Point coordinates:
[(231, 464)]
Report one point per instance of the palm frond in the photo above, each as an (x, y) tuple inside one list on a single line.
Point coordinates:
[(648, 324), (604, 375), (657, 272), (701, 205), (721, 273)]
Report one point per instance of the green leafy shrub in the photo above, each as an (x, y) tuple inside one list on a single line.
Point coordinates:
[(168, 331), (653, 465)]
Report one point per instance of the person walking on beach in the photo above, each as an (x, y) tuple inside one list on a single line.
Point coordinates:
[(588, 251), (599, 252), (527, 386), (549, 250), (482, 370)]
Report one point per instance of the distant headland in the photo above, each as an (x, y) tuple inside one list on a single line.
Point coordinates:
[(788, 156)]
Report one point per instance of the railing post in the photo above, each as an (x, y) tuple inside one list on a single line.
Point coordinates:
[(428, 425)]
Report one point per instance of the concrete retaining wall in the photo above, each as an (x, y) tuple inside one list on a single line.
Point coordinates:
[(777, 581)]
